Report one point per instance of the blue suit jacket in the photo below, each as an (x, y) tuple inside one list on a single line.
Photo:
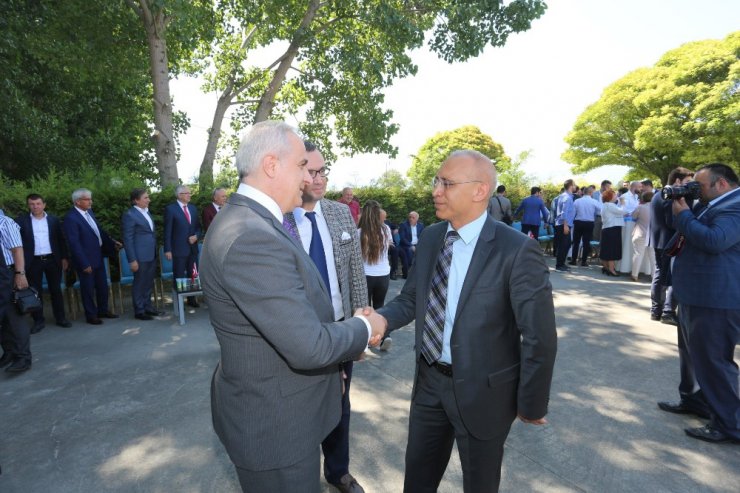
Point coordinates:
[(177, 230), (661, 222), (705, 273), (404, 232), (534, 210), (83, 242), (139, 240), (56, 237)]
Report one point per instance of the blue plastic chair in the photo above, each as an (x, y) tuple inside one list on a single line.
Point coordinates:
[(127, 275), (517, 225), (165, 273)]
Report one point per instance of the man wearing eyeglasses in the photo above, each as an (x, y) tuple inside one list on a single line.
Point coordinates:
[(485, 332), (181, 233), (347, 287)]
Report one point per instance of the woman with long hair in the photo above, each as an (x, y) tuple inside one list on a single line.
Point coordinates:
[(610, 249), (375, 239)]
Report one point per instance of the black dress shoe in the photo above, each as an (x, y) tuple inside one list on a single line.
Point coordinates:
[(37, 327), (18, 366), (155, 313), (584, 264), (709, 434), (94, 321), (6, 359), (64, 323), (669, 319), (393, 277), (572, 263), (683, 408), (654, 317), (107, 315), (143, 316)]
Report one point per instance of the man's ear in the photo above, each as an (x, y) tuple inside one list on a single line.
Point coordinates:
[(270, 164), (482, 192)]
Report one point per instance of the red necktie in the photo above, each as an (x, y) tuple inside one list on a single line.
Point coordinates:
[(187, 214)]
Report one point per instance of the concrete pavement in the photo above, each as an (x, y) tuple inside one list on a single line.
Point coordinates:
[(124, 407)]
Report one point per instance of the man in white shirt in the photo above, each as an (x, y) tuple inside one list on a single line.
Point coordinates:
[(276, 392), (46, 254), (348, 288)]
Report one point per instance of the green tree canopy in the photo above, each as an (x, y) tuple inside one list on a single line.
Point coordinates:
[(391, 180), (684, 111), (74, 88), (435, 150), (334, 59)]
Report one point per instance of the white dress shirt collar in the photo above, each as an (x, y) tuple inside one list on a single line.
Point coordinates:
[(262, 199)]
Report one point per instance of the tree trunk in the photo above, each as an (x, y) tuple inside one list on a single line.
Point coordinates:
[(154, 22), (267, 101), (205, 176)]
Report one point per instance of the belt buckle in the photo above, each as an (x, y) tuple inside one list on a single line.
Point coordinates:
[(443, 368)]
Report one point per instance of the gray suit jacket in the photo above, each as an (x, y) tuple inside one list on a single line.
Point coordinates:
[(503, 339), (276, 392), (347, 254)]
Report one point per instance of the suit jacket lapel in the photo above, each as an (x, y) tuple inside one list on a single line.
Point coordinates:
[(480, 257), (262, 211)]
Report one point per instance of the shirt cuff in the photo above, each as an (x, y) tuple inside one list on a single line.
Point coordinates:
[(367, 324)]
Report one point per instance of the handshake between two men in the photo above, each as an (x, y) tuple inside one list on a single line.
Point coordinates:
[(378, 324)]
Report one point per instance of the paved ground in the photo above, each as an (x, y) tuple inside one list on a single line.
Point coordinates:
[(125, 408)]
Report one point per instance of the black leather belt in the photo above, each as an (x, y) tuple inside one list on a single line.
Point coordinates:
[(443, 368), (43, 257)]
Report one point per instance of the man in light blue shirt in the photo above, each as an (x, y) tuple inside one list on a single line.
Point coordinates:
[(564, 216), (586, 209)]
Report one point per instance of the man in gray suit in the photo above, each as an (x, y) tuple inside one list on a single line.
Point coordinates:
[(140, 243), (485, 332), (348, 289), (276, 393)]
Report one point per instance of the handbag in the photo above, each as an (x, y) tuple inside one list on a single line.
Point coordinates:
[(674, 245), (505, 218), (27, 300)]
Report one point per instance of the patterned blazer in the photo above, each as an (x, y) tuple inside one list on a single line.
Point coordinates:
[(347, 254)]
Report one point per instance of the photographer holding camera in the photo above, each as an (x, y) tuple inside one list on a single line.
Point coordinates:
[(707, 288)]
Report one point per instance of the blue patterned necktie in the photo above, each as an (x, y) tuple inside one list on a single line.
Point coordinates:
[(434, 321), (316, 250)]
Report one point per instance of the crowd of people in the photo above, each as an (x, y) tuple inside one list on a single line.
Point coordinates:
[(296, 287)]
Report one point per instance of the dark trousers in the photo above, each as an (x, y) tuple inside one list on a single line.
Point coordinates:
[(141, 290), (434, 425), (15, 334), (393, 256), (562, 241), (407, 258), (52, 267), (661, 291), (302, 477), (94, 287), (531, 228), (182, 267), (377, 287), (582, 233), (688, 387), (336, 445), (713, 334)]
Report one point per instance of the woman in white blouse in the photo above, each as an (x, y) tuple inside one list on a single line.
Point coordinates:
[(612, 217), (375, 239)]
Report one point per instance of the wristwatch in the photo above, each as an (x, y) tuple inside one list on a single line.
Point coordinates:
[(20, 272)]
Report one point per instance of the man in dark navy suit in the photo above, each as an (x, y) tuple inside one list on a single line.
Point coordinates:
[(408, 233), (140, 242), (181, 233), (88, 244), (707, 287), (46, 253)]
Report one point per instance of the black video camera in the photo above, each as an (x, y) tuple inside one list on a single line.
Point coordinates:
[(689, 191)]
